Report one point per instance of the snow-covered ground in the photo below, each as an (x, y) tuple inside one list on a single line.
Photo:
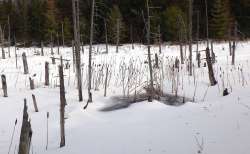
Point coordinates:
[(212, 124)]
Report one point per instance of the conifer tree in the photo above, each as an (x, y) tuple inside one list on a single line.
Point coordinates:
[(219, 20)]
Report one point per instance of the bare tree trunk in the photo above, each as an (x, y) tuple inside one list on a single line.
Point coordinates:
[(73, 52), (197, 34), (32, 85), (26, 132), (25, 64), (234, 44), (51, 44), (9, 43), (210, 68), (4, 86), (190, 36), (58, 44), (106, 36), (90, 52), (34, 102), (131, 36), (63, 34), (106, 82), (151, 88), (117, 35), (2, 41), (159, 38), (207, 31), (46, 73), (15, 51), (42, 46), (75, 4), (62, 106)]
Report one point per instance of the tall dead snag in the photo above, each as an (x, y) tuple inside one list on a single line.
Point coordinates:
[(106, 36), (117, 34), (131, 37), (51, 44), (42, 52), (190, 36), (34, 102), (90, 51), (234, 43), (180, 37), (32, 84), (197, 34), (58, 44), (106, 82), (62, 27), (75, 5), (46, 73), (25, 64), (151, 88), (210, 68), (62, 106), (4, 86), (159, 38), (26, 132), (9, 43), (2, 41)]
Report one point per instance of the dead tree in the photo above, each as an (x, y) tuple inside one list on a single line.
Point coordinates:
[(90, 52), (34, 102), (234, 43), (197, 34), (210, 68), (106, 36), (25, 64), (131, 36), (42, 46), (2, 41), (51, 44), (75, 5), (46, 73), (106, 82), (117, 34), (9, 43), (63, 35), (58, 44), (159, 38), (151, 88), (26, 132), (190, 36), (180, 36), (4, 86), (62, 106), (32, 84)]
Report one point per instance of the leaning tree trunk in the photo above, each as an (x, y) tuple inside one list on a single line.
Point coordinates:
[(26, 132), (210, 68)]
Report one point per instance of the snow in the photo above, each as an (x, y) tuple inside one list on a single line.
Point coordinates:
[(212, 124)]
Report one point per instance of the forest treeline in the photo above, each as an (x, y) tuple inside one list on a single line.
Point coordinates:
[(33, 21)]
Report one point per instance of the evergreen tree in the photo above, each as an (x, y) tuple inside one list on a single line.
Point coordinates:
[(115, 17), (170, 22), (219, 20)]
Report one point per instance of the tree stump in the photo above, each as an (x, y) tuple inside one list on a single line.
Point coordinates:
[(26, 132), (46, 73), (4, 86), (25, 64), (34, 103), (32, 85)]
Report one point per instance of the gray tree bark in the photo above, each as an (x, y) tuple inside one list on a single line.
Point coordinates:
[(25, 64), (4, 86), (26, 132), (35, 103), (46, 73), (62, 106)]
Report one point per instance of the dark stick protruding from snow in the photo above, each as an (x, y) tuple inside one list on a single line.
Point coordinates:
[(34, 102), (46, 73), (25, 64), (62, 106), (26, 132), (4, 86)]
